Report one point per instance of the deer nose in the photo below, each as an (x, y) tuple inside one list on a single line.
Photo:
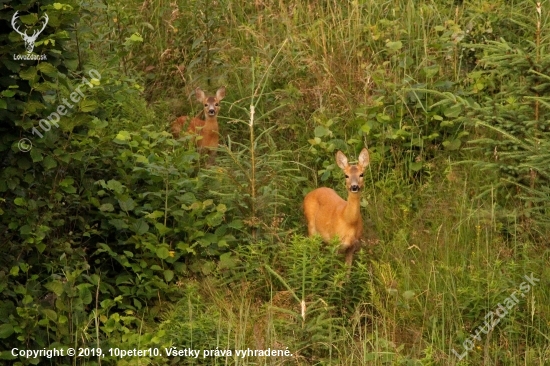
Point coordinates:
[(212, 111), (354, 188)]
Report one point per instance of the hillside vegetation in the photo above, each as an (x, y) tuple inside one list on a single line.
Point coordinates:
[(114, 236)]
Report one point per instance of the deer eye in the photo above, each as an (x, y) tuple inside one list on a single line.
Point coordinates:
[(206, 105), (347, 176), (361, 175), (217, 104)]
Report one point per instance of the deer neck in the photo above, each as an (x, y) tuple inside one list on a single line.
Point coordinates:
[(211, 121), (352, 211)]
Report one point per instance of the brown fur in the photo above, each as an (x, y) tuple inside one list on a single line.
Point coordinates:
[(328, 215), (207, 130)]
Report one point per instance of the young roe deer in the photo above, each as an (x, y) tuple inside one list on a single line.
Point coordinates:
[(328, 215), (207, 129)]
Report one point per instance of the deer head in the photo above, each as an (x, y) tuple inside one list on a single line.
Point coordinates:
[(29, 40)]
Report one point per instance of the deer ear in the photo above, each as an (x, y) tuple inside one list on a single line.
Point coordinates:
[(341, 160), (220, 94), (364, 158), (199, 94)]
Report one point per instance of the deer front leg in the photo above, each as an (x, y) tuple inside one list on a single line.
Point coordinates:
[(355, 246), (211, 160)]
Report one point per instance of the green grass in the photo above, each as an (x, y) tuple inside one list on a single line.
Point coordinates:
[(420, 291)]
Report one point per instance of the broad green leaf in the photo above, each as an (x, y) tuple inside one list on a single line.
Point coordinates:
[(127, 204), (141, 159), (366, 127), (236, 224), (106, 207), (431, 71), (416, 166), (227, 260), (139, 227), (168, 275), (321, 131), (47, 68), (122, 137), (27, 299), (20, 201), (394, 46), (50, 314), (383, 118), (187, 198), (85, 294), (136, 37), (6, 330), (24, 267), (163, 252), (25, 230), (115, 186), (118, 224), (66, 182), (56, 287), (40, 247), (452, 144), (36, 155), (28, 73), (88, 105), (161, 228), (67, 185), (49, 163), (453, 111), (33, 106), (155, 215), (8, 93), (29, 19)]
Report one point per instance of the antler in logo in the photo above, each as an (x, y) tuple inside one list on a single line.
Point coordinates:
[(29, 40)]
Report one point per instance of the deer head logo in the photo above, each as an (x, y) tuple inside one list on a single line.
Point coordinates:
[(29, 40)]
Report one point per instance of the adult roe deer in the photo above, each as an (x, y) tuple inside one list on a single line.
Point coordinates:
[(328, 215), (207, 129)]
